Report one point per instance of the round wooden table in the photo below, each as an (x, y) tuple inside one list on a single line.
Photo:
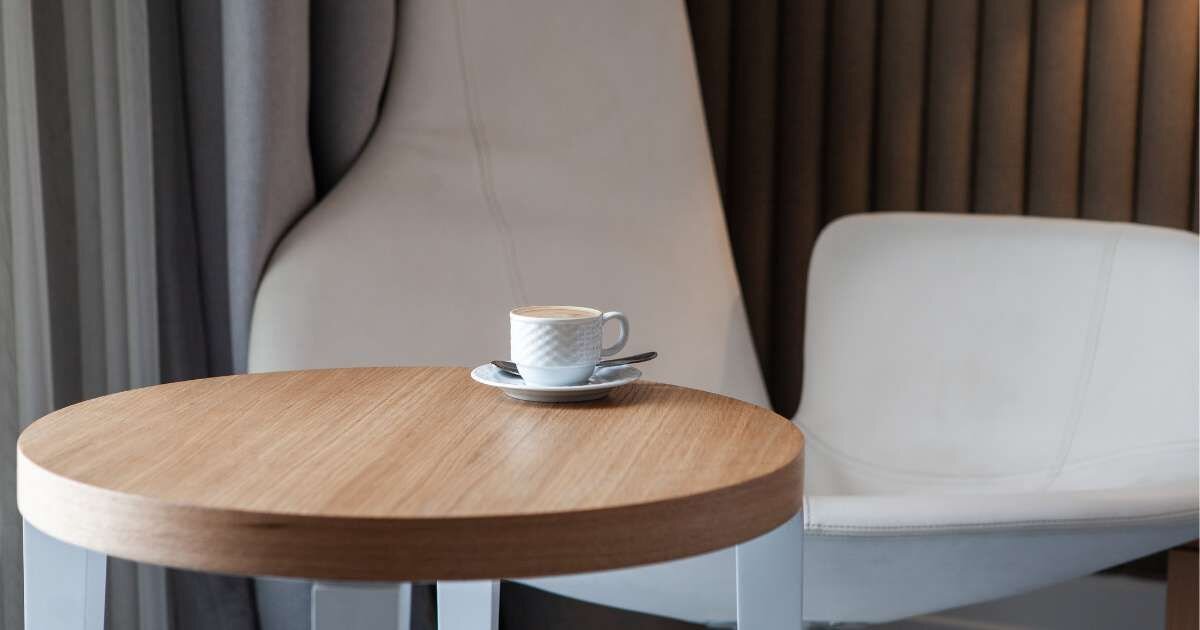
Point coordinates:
[(405, 474)]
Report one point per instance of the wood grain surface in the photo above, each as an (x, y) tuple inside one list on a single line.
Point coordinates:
[(405, 474), (1183, 589)]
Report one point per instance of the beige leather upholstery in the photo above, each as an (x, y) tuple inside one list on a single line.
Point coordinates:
[(519, 161), (554, 152)]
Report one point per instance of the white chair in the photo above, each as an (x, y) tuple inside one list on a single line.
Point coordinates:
[(992, 404)]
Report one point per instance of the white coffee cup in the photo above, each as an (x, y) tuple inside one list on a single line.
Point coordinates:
[(555, 346)]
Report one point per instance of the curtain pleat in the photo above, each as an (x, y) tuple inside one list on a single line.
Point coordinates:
[(1067, 108), (180, 302), (269, 168), (82, 241), (750, 171), (347, 78), (206, 278), (11, 596), (798, 190), (194, 341), (81, 70), (711, 36), (850, 78), (60, 237), (161, 149)]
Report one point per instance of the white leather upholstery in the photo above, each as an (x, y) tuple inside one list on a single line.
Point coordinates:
[(942, 468), (992, 404), (1023, 354), (1032, 409)]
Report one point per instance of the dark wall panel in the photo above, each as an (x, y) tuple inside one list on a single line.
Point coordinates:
[(1110, 115), (1056, 107), (1006, 28), (900, 102), (950, 112)]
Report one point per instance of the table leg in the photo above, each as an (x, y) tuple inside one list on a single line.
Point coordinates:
[(468, 605), (770, 574), (361, 606), (64, 584)]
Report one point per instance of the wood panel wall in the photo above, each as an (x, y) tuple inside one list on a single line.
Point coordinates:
[(819, 108)]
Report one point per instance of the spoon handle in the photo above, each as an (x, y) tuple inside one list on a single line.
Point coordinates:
[(633, 358), (511, 368)]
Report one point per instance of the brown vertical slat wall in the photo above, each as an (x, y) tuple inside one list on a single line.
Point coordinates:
[(900, 118), (1056, 107), (1168, 115), (950, 104), (1004, 46), (1110, 109), (1070, 108)]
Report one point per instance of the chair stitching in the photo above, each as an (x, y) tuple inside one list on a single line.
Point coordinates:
[(815, 440), (1083, 385), (483, 161), (1052, 523), (1161, 447)]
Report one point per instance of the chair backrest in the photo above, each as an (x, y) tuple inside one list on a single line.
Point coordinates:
[(1017, 353), (528, 152)]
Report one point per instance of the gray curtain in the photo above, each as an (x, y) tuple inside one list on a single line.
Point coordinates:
[(153, 152), (276, 101)]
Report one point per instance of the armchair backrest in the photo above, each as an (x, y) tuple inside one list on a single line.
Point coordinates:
[(1023, 352), (528, 152)]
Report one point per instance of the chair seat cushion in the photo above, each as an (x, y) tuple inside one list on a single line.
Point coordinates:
[(880, 558)]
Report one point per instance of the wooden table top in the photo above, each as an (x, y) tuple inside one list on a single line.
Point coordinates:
[(405, 474)]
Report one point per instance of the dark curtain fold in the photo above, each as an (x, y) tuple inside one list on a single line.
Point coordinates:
[(1069, 108), (259, 107)]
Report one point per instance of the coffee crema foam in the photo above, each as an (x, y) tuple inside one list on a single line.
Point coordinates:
[(554, 312)]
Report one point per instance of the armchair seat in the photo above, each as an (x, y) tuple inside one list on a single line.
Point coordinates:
[(878, 558)]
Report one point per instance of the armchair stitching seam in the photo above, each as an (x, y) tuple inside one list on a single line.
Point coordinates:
[(1095, 325), (484, 162), (1043, 523)]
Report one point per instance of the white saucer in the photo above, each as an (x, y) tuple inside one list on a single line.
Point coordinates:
[(603, 381)]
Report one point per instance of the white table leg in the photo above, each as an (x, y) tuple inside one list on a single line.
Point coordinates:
[(770, 576), (64, 584), (468, 605), (361, 606)]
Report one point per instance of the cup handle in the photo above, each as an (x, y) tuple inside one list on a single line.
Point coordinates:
[(622, 334)]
